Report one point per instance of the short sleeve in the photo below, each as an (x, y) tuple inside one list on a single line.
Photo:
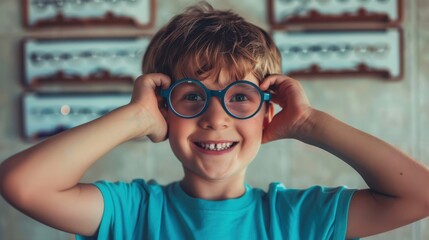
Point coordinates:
[(313, 213), (123, 204)]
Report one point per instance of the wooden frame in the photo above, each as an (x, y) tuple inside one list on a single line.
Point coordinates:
[(283, 14), (46, 114), (82, 60), (78, 13), (342, 53)]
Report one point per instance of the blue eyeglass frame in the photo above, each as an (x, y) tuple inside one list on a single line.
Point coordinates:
[(166, 93)]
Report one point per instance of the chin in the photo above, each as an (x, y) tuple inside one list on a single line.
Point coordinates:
[(214, 174)]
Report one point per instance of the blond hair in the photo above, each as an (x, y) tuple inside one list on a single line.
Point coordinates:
[(202, 41)]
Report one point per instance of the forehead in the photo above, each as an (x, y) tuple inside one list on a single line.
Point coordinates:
[(224, 79)]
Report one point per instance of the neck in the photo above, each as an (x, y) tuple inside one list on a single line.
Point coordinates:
[(213, 189)]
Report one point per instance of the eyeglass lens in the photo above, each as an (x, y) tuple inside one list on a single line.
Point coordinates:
[(188, 99), (241, 100)]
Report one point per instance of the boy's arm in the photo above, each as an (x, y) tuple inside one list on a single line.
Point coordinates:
[(398, 192), (42, 181)]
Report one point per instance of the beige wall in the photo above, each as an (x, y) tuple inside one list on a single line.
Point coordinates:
[(394, 111)]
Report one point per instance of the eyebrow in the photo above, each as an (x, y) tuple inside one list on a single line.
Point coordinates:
[(223, 86), (218, 83)]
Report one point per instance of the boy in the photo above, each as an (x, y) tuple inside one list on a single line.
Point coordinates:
[(192, 94)]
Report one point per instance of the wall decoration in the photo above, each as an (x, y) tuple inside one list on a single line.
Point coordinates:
[(77, 13), (309, 13), (46, 114), (374, 53), (82, 60)]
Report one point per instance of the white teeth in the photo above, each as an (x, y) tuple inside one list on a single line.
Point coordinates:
[(215, 146)]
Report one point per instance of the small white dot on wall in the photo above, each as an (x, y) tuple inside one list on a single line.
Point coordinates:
[(65, 110)]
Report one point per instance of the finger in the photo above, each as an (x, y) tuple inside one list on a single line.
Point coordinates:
[(281, 89), (161, 80), (275, 98), (145, 84), (154, 80), (274, 81), (287, 89)]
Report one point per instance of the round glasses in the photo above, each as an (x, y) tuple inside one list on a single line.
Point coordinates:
[(189, 98)]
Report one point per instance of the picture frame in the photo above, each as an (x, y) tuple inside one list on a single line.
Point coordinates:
[(46, 114), (300, 14), (81, 13), (342, 53), (77, 61)]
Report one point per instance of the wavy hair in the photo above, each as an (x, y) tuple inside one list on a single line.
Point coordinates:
[(202, 41)]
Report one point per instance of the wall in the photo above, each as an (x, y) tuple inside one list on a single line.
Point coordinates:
[(393, 111)]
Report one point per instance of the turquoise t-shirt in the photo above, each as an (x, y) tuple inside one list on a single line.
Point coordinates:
[(147, 210)]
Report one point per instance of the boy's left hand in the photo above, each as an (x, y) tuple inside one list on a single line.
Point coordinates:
[(289, 95)]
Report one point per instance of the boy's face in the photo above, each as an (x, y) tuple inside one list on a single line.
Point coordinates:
[(214, 145)]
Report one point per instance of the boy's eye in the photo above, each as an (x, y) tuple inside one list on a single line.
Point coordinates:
[(193, 97), (239, 98)]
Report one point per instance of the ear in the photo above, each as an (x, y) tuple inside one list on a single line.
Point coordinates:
[(269, 114), (162, 106)]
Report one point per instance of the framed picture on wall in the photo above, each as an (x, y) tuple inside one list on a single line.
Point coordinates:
[(342, 53), (46, 114), (78, 13), (334, 13), (82, 60)]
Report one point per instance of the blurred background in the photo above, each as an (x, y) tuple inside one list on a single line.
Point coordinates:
[(374, 80)]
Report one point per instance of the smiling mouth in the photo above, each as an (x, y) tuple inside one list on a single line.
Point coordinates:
[(216, 146)]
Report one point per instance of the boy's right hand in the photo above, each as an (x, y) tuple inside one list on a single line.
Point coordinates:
[(149, 105)]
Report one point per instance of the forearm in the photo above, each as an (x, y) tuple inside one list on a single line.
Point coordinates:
[(385, 169), (58, 163)]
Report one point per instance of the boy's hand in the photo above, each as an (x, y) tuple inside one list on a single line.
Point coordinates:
[(289, 95), (150, 105)]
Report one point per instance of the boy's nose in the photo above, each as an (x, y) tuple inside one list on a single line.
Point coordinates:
[(215, 116)]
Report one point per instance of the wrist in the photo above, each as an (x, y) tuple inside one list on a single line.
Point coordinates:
[(311, 126), (131, 118)]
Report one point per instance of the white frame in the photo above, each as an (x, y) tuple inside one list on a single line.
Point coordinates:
[(87, 12), (34, 122), (128, 66), (281, 10), (390, 61)]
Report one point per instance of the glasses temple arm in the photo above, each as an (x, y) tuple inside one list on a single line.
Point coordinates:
[(266, 96)]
